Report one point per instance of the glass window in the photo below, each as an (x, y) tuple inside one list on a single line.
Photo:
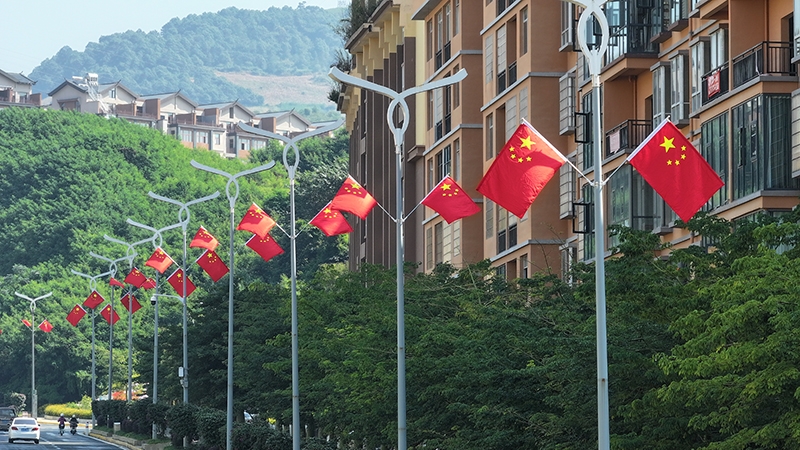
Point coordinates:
[(429, 247), (489, 137), (456, 238), (661, 93), (431, 181), (523, 36), (430, 40), (447, 22), (699, 66), (489, 207), (719, 48), (456, 159), (679, 94), (456, 17), (714, 148), (501, 50), (567, 24), (456, 90), (488, 55), (438, 241), (587, 195)]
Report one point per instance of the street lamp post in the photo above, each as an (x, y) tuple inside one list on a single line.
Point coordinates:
[(183, 223), (232, 196), (33, 301), (156, 235), (398, 101), (92, 288), (291, 169)]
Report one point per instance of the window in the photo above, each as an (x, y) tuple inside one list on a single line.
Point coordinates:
[(523, 34), (489, 137), (719, 48), (230, 112), (429, 247), (447, 22), (231, 146), (203, 138), (567, 181), (586, 131), (456, 159), (439, 37), (245, 144), (438, 241), (523, 266), (439, 112), (506, 229), (761, 135), (217, 138), (456, 90), (112, 93), (447, 242), (431, 109), (661, 92), (443, 163), (632, 201), (488, 55), (430, 40), (714, 148), (431, 180), (679, 92), (567, 25), (489, 207), (456, 17), (501, 59), (511, 116), (456, 226), (566, 103), (523, 103), (587, 220), (679, 10), (186, 135), (699, 65)]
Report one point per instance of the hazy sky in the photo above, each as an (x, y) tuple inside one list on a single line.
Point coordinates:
[(31, 32)]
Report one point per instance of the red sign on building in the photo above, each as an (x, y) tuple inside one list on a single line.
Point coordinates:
[(713, 84)]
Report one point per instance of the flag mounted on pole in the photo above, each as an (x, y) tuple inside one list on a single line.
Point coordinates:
[(114, 282), (256, 221), (353, 198), (266, 247), (27, 323), (159, 260), (213, 266), (521, 170), (149, 284), (331, 221), (176, 281), (204, 239), (450, 201), (136, 278), (93, 300), (107, 314), (130, 303), (46, 326), (76, 315), (675, 170)]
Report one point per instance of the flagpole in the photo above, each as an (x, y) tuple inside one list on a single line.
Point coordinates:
[(398, 101), (594, 59), (232, 196), (291, 170), (34, 405)]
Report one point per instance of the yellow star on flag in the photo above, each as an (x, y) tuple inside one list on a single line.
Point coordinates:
[(667, 144), (526, 142)]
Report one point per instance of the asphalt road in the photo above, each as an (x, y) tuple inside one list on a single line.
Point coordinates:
[(51, 440)]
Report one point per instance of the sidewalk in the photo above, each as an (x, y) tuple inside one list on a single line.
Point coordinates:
[(126, 442)]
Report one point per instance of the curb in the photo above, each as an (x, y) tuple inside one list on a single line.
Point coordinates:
[(111, 440)]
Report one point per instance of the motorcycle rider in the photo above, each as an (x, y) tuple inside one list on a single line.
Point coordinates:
[(61, 422), (73, 424)]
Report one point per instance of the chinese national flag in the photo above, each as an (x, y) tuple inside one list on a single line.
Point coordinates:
[(107, 314), (130, 300), (176, 281), (76, 315), (46, 326), (353, 198), (521, 170), (115, 282), (256, 221), (266, 247), (149, 284), (331, 221), (159, 260), (450, 201), (213, 266), (676, 170), (93, 300), (27, 324), (135, 278), (204, 239)]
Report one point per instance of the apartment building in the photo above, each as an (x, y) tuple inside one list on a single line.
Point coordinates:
[(16, 90), (724, 71)]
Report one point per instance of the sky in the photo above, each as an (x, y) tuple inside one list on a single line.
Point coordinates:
[(34, 31)]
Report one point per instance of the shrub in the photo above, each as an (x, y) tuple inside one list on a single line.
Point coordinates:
[(211, 427), (259, 436), (157, 414), (137, 413), (16, 400), (182, 422), (114, 410), (55, 410)]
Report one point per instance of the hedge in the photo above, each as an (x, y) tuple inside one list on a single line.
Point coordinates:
[(55, 410)]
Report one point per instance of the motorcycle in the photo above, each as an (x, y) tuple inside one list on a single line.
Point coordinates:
[(73, 428), (61, 429)]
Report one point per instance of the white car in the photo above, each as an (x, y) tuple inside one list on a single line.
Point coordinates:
[(23, 429)]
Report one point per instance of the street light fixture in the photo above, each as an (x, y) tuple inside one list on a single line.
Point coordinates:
[(232, 196), (398, 100), (34, 400)]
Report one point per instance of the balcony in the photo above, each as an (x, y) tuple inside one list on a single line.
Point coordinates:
[(716, 83), (632, 38), (501, 82), (626, 136), (442, 55), (512, 73), (766, 58)]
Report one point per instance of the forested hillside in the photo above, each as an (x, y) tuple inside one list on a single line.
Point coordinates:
[(67, 179), (186, 52)]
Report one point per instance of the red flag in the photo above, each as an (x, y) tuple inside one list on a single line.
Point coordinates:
[(159, 260), (149, 284), (115, 282), (256, 221), (135, 278), (676, 170), (204, 239), (521, 170), (266, 247), (106, 313), (130, 300), (25, 321), (76, 315), (450, 201), (213, 266), (331, 221), (176, 281), (46, 326), (93, 300), (353, 198)]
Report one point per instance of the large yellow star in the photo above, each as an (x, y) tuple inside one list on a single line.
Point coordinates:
[(445, 187), (526, 142), (668, 144), (327, 211)]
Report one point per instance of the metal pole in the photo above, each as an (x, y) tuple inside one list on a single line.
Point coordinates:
[(111, 349), (130, 344), (185, 321), (155, 355), (232, 202), (34, 400), (94, 368), (398, 101)]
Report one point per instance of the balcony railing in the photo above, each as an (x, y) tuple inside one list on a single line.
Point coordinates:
[(512, 73), (501, 82), (438, 59), (439, 130), (716, 83), (766, 58), (447, 53), (443, 55), (626, 136), (632, 38)]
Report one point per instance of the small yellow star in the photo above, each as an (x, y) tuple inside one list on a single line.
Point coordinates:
[(683, 156), (677, 163), (669, 162), (667, 144), (683, 148), (528, 158)]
